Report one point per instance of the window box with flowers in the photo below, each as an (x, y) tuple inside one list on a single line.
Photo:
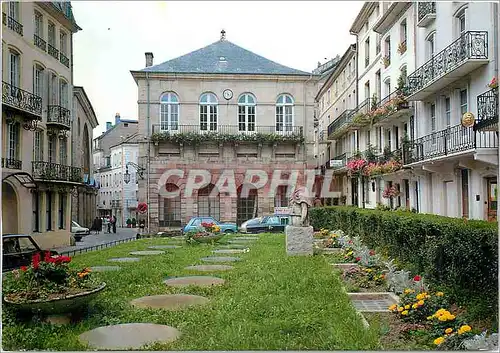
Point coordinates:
[(50, 286), (355, 166), (402, 48), (386, 60)]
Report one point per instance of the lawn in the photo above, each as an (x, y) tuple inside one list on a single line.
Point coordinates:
[(269, 302)]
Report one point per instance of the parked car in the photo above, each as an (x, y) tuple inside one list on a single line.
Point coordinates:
[(195, 222), (78, 231), (18, 250), (270, 223)]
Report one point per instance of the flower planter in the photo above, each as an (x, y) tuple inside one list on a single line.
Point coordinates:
[(61, 305)]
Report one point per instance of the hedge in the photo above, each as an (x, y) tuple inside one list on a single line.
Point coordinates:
[(450, 252)]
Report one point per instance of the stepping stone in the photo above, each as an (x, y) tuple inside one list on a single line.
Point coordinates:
[(229, 251), (128, 336), (234, 246), (199, 281), (125, 259), (147, 252), (105, 268), (164, 247), (168, 301), (237, 241), (245, 238), (220, 259), (209, 268)]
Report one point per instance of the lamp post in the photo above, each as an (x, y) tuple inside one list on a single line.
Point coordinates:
[(140, 171)]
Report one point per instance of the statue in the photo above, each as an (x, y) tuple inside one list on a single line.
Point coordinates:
[(299, 203)]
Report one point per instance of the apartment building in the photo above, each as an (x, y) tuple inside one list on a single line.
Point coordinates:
[(454, 155), (217, 95), (37, 97), (111, 155), (335, 99), (85, 201)]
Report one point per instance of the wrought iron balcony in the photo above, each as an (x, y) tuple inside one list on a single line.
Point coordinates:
[(426, 13), (64, 59), (11, 163), (461, 57), (452, 140), (12, 24), (56, 172), (349, 119), (343, 119), (391, 108), (59, 115), (340, 161), (53, 52), (487, 111), (21, 100), (39, 42)]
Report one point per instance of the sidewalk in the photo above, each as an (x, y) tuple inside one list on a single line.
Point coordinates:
[(102, 238)]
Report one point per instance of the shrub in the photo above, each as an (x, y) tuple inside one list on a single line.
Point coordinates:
[(461, 256)]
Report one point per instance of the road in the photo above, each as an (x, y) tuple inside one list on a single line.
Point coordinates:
[(102, 238)]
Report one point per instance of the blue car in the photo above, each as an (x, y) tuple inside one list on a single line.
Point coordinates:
[(195, 223), (271, 223)]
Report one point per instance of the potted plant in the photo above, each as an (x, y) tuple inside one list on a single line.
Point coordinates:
[(50, 286), (129, 222), (134, 222)]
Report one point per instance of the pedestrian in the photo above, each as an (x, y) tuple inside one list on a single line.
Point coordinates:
[(95, 225), (113, 223), (108, 222)]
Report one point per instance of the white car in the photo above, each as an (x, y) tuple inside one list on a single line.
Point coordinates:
[(78, 231)]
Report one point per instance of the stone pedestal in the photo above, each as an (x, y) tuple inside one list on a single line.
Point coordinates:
[(299, 240)]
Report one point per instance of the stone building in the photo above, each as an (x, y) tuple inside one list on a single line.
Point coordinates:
[(85, 201), (194, 111), (37, 98)]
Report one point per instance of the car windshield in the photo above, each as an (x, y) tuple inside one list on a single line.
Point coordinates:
[(75, 224)]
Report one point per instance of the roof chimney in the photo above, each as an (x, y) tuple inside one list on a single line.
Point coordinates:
[(109, 125), (117, 118), (149, 59)]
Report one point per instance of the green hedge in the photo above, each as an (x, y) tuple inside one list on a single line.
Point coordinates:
[(450, 252)]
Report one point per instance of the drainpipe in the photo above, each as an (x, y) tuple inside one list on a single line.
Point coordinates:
[(305, 116), (148, 152)]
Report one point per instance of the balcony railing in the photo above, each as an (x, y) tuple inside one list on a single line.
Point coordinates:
[(344, 118), (20, 99), (487, 109), (425, 9), (53, 52), (11, 163), (344, 158), (64, 59), (349, 118), (12, 24), (470, 45), (56, 172), (59, 115), (452, 140), (228, 129), (39, 42)]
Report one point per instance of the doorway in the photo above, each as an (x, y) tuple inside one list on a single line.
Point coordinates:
[(492, 199), (9, 209), (354, 194)]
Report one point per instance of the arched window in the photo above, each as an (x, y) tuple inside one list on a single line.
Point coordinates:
[(169, 112), (208, 112), (246, 112), (169, 208), (208, 206), (284, 113)]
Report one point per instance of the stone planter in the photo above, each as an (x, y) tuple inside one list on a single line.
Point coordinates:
[(68, 304), (373, 302)]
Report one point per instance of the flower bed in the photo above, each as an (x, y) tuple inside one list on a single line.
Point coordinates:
[(206, 233)]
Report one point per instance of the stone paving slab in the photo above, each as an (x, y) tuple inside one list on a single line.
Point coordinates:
[(240, 241), (209, 268), (147, 252), (220, 259), (128, 336), (229, 251), (372, 305), (199, 281), (165, 247), (124, 259), (105, 268), (234, 246), (169, 301), (246, 238)]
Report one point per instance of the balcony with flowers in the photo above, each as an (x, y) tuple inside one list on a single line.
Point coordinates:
[(371, 165), (391, 109)]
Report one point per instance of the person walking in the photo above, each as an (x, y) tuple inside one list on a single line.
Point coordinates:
[(108, 223), (95, 225), (113, 223)]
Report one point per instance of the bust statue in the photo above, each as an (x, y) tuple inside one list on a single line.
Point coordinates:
[(299, 204)]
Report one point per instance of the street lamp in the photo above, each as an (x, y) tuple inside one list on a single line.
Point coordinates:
[(126, 176)]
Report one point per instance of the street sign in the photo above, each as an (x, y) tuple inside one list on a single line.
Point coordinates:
[(336, 163), (281, 211)]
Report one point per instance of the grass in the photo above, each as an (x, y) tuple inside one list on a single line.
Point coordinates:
[(270, 302)]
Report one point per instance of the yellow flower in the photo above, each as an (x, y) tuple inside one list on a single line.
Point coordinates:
[(400, 309), (421, 296), (464, 329), (404, 312), (451, 317), (438, 341), (420, 302), (407, 307), (448, 330), (415, 306), (439, 294), (443, 318), (393, 307), (407, 291)]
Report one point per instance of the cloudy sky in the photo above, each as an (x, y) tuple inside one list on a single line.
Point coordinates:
[(116, 35)]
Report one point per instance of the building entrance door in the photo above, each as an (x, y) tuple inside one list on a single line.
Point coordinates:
[(492, 199)]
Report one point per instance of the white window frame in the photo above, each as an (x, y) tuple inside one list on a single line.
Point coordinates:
[(38, 145), (14, 10), (13, 140), (285, 114), (208, 112), (247, 105), (461, 15), (169, 112), (463, 106), (38, 75), (14, 69), (51, 35), (432, 125), (63, 43), (431, 45), (63, 151), (447, 110), (38, 20), (52, 149), (63, 94)]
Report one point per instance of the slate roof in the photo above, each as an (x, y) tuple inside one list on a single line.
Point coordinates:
[(223, 57)]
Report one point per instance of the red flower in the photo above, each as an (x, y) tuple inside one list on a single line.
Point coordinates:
[(24, 268), (372, 252), (358, 259), (36, 260), (47, 256), (417, 278)]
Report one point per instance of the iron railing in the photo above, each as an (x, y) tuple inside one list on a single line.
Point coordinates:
[(64, 59), (59, 115), (348, 116), (470, 45), (12, 163), (12, 24), (21, 99), (54, 171), (452, 140), (39, 42), (53, 51), (228, 129), (487, 109), (96, 247), (426, 8), (344, 157)]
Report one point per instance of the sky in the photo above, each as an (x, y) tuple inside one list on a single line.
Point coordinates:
[(116, 34)]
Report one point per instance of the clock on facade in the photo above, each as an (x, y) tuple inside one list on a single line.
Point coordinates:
[(228, 94)]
